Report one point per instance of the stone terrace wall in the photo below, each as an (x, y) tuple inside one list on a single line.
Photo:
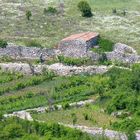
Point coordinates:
[(77, 49), (21, 52), (57, 68)]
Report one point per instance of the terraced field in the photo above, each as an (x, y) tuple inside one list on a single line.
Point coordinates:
[(38, 90), (116, 93)]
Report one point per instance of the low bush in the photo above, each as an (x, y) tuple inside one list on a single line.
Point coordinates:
[(72, 61), (3, 43), (50, 10), (105, 45), (86, 117), (127, 125), (85, 8), (66, 106), (28, 15)]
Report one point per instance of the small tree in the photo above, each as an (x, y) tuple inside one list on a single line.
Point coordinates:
[(28, 15), (85, 9)]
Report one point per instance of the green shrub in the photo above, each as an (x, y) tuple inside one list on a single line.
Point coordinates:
[(127, 125), (86, 117), (66, 106), (105, 45), (15, 128), (28, 15), (72, 61), (50, 10), (3, 43), (85, 8)]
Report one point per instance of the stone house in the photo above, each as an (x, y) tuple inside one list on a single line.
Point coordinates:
[(77, 45)]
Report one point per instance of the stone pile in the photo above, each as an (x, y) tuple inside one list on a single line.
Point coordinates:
[(123, 53)]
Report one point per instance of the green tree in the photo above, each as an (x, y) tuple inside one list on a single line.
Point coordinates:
[(28, 15), (85, 8), (14, 130)]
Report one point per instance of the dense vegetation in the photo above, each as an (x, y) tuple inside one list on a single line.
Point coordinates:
[(117, 90), (15, 129)]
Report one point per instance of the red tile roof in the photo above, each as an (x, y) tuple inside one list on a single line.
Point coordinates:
[(84, 36)]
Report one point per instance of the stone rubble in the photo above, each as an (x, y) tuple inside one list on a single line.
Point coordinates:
[(123, 53), (112, 135), (20, 114)]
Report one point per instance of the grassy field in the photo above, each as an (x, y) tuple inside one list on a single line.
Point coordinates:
[(95, 116), (50, 29)]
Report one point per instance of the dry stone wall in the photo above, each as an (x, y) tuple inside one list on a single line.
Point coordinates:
[(76, 49), (22, 52), (57, 68)]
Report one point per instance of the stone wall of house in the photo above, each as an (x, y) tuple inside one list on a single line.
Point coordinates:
[(74, 48), (22, 52), (92, 42)]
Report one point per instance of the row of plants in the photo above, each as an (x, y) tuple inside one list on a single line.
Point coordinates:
[(25, 82), (23, 103), (74, 61), (7, 77), (73, 89)]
